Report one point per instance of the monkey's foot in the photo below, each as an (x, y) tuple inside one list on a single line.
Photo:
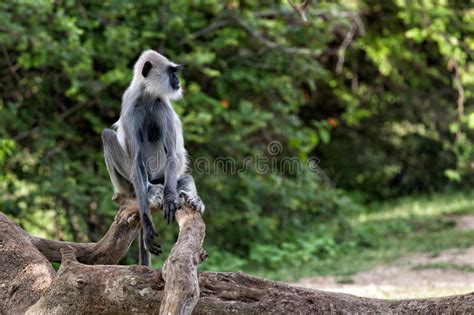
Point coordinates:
[(192, 201), (149, 236), (170, 205), (155, 196), (151, 245)]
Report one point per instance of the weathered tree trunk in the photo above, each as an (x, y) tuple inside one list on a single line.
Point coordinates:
[(25, 274), (29, 284)]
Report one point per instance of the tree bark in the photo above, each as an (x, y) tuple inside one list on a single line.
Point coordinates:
[(29, 284), (110, 249), (25, 274), (180, 268)]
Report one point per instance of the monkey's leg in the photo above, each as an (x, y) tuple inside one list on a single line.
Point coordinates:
[(187, 190), (140, 184), (118, 164), (147, 232)]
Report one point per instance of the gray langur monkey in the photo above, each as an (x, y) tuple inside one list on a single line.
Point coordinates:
[(145, 156)]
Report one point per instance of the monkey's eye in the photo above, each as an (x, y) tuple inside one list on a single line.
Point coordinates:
[(174, 69)]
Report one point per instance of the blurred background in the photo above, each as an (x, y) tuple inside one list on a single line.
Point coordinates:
[(377, 95)]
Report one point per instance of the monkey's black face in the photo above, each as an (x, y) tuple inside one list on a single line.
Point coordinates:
[(174, 81)]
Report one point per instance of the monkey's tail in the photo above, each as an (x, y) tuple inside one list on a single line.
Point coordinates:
[(145, 259)]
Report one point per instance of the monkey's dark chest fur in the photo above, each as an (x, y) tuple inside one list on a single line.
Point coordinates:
[(150, 113), (153, 125), (151, 131)]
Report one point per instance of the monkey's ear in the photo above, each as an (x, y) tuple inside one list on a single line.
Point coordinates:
[(146, 68)]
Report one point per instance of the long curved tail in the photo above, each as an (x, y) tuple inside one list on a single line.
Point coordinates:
[(145, 259)]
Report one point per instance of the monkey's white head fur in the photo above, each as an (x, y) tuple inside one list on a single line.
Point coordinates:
[(156, 74)]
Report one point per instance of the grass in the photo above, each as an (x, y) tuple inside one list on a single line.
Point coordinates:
[(384, 232), (462, 267)]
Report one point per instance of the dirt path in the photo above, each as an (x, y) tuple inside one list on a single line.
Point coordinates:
[(419, 275)]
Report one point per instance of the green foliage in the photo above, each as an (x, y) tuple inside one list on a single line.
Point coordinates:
[(377, 234), (294, 254), (222, 261), (386, 123)]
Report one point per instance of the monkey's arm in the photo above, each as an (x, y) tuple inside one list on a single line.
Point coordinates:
[(170, 194)]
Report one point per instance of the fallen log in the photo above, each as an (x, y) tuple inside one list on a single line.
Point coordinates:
[(29, 284)]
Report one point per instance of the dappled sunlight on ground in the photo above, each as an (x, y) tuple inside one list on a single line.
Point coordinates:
[(418, 275), (456, 204)]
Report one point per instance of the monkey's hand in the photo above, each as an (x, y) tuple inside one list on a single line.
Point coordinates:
[(155, 196), (149, 236), (170, 205), (192, 200)]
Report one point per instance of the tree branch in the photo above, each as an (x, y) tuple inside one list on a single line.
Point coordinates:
[(453, 65), (301, 9), (234, 20), (210, 28), (270, 14), (341, 54), (273, 45), (180, 268), (109, 250)]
